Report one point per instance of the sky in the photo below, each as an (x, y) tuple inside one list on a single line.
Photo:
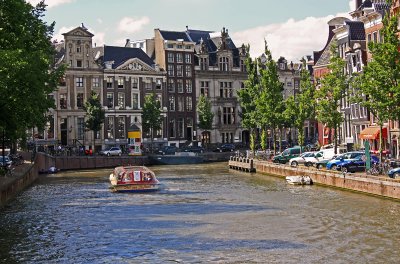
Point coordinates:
[(292, 28)]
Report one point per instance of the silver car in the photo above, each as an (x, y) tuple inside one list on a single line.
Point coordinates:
[(114, 151)]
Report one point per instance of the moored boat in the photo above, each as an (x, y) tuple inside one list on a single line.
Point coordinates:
[(133, 179), (299, 180)]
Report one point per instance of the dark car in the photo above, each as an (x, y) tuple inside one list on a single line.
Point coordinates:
[(196, 149), (168, 150), (226, 148), (355, 165)]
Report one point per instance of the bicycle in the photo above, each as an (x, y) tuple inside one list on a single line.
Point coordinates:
[(379, 169)]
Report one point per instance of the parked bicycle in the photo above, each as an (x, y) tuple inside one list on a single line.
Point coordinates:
[(379, 168)]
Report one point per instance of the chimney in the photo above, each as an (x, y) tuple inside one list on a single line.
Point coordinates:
[(358, 3)]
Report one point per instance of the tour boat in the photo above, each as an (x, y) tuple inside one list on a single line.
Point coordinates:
[(133, 179), (299, 180)]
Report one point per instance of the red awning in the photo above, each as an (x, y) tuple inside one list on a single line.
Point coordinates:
[(372, 132)]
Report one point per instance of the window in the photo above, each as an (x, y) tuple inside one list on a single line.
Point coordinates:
[(179, 70), (110, 127), (96, 82), (110, 81), (170, 46), (62, 81), (375, 36), (121, 100), (171, 86), (170, 70), (172, 103), (179, 46), (203, 64), (189, 86), (180, 86), (223, 64), (121, 81), (171, 57), (188, 71), (135, 101), (189, 104), (188, 58), (121, 127), (180, 127), (79, 81), (135, 83), (228, 115), (204, 88), (172, 128), (81, 128), (79, 100), (159, 99), (110, 100), (242, 85), (159, 84), (63, 101), (181, 103), (188, 47), (179, 57), (225, 90), (148, 83), (242, 66), (79, 63), (78, 49)]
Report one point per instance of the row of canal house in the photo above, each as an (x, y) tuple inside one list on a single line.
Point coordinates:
[(175, 66), (352, 37)]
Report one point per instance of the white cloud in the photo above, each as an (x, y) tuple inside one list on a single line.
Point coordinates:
[(132, 25), (50, 3), (291, 39)]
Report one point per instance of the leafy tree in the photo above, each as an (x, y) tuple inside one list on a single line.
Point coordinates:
[(269, 103), (263, 140), (301, 107), (331, 92), (205, 114), (249, 93), (378, 87), (151, 116), (95, 115), (26, 73)]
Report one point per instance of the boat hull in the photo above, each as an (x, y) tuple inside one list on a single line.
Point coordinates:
[(135, 188), (133, 179)]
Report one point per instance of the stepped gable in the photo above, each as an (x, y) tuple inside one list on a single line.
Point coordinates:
[(119, 55)]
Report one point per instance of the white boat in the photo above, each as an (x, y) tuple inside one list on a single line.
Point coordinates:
[(299, 180)]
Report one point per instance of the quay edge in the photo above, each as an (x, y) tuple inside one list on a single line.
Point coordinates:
[(378, 186)]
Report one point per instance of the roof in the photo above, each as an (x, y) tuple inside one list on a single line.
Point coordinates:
[(325, 57), (121, 54), (174, 35), (356, 30)]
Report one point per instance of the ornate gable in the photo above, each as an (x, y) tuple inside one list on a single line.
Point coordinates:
[(135, 64), (79, 32)]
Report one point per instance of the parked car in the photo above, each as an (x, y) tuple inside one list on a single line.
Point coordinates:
[(332, 164), (168, 150), (306, 158), (227, 147), (114, 151), (394, 173), (355, 165), (288, 154), (196, 149), (5, 159)]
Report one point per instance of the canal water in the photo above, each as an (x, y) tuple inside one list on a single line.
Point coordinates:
[(204, 214)]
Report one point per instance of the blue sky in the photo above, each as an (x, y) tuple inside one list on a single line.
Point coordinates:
[(292, 28)]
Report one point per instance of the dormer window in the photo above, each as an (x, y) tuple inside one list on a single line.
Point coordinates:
[(223, 64), (282, 66)]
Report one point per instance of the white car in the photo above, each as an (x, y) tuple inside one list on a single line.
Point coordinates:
[(114, 151), (305, 158)]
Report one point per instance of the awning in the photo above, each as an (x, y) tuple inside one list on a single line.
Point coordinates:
[(372, 132)]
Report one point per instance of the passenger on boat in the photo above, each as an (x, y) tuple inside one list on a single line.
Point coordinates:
[(146, 176)]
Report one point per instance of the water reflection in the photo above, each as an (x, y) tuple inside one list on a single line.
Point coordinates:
[(204, 214)]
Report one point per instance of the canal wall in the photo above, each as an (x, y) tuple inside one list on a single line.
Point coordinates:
[(359, 182)]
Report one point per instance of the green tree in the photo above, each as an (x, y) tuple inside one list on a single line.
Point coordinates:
[(26, 73), (205, 114), (95, 115), (151, 116), (378, 87), (249, 93), (332, 90), (269, 103), (301, 108)]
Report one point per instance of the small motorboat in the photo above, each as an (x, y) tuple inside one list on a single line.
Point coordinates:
[(133, 179), (299, 180)]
